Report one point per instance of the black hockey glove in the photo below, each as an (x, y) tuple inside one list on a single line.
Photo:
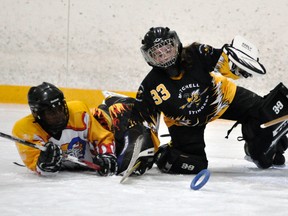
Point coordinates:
[(108, 164), (50, 160), (146, 163)]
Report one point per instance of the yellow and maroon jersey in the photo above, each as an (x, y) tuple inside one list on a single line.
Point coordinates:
[(200, 94), (83, 137)]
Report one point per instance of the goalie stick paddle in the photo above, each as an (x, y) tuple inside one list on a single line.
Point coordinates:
[(132, 166), (275, 121), (43, 148)]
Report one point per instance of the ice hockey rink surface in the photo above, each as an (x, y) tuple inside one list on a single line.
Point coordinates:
[(235, 187)]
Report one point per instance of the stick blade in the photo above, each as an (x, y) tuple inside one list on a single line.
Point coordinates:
[(132, 166), (129, 172)]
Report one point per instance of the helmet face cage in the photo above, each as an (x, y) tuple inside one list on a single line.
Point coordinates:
[(161, 47), (60, 124), (163, 54)]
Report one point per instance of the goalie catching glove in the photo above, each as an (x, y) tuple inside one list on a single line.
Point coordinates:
[(50, 160), (241, 58), (108, 164)]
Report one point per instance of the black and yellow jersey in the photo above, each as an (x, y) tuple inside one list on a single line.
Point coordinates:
[(200, 93)]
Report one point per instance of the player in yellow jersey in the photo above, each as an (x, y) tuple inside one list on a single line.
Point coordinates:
[(64, 128)]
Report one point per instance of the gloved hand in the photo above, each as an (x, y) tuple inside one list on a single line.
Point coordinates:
[(146, 163), (108, 164), (238, 71), (243, 58), (50, 160)]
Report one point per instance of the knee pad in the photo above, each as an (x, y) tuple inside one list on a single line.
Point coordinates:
[(263, 144), (171, 160)]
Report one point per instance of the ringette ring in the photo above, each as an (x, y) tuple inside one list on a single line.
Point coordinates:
[(206, 174)]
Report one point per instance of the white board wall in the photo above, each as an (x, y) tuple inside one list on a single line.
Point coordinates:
[(94, 44)]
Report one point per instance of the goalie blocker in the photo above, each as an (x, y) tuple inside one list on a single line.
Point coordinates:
[(266, 146)]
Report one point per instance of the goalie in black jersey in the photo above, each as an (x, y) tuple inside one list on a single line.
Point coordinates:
[(191, 87)]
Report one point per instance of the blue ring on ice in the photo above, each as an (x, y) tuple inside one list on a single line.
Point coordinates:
[(206, 174)]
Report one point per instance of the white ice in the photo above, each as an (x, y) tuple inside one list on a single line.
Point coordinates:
[(235, 187)]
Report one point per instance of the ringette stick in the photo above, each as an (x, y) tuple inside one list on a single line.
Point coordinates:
[(43, 148), (132, 166), (275, 121)]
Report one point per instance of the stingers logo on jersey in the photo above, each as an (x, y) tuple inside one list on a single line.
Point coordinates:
[(193, 96)]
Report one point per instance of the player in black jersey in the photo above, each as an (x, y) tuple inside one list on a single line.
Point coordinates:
[(191, 87)]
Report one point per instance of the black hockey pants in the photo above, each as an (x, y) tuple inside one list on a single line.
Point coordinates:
[(186, 154)]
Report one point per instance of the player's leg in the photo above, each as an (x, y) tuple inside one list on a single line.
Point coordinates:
[(273, 139), (265, 146), (119, 111), (185, 154)]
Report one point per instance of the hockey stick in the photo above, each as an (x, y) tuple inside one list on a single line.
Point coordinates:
[(24, 142), (129, 172), (282, 129), (275, 121), (43, 148), (132, 166)]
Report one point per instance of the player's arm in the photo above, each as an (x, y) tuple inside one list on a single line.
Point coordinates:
[(43, 162), (103, 140)]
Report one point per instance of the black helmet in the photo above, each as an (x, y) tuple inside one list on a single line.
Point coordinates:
[(49, 108), (161, 47)]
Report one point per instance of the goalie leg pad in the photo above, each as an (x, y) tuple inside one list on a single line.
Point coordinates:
[(263, 145), (174, 161)]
